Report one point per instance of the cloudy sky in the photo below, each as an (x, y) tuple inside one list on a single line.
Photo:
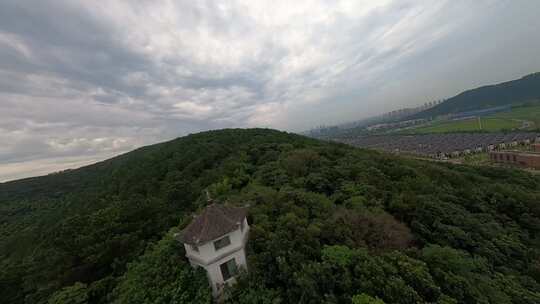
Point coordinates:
[(81, 81)]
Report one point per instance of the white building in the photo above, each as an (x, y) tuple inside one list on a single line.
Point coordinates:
[(215, 240)]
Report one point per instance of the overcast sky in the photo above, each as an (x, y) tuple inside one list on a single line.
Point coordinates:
[(81, 81)]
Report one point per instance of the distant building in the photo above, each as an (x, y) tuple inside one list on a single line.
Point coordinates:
[(215, 240), (443, 146), (525, 159)]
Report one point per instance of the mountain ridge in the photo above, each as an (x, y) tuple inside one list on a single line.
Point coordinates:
[(522, 90)]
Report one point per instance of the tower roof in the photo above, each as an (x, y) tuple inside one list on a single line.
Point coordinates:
[(214, 221)]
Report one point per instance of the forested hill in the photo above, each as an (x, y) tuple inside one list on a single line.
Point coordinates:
[(518, 91), (330, 224)]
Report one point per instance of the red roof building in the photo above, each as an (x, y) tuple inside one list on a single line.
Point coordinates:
[(523, 159)]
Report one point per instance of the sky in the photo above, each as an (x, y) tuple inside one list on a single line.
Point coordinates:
[(81, 81)]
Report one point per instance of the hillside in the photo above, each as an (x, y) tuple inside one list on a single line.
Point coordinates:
[(329, 223), (518, 91)]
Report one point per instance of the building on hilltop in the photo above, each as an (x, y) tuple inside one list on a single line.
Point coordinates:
[(215, 240)]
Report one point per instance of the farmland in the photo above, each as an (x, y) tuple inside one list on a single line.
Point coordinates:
[(530, 113), (487, 124), (513, 119)]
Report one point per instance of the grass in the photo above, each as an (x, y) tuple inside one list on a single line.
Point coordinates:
[(530, 113), (477, 159), (488, 124), (496, 122)]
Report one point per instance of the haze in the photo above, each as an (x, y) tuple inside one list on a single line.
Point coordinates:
[(81, 81)]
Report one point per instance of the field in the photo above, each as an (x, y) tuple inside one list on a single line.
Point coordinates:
[(513, 119), (488, 124), (531, 113)]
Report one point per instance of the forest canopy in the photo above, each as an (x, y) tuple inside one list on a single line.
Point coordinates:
[(329, 224)]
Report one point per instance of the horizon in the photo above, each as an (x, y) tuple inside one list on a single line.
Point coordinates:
[(85, 82)]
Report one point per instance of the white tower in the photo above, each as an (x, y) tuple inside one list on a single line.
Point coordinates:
[(215, 240)]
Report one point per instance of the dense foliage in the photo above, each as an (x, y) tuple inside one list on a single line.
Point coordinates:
[(329, 224)]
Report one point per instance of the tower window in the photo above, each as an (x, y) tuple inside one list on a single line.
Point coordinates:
[(228, 269), (223, 242), (195, 248)]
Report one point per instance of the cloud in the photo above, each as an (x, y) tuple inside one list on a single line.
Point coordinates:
[(81, 81)]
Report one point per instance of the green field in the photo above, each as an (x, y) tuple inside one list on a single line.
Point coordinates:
[(488, 124), (497, 122), (530, 113)]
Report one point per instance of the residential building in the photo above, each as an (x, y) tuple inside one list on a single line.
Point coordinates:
[(527, 159)]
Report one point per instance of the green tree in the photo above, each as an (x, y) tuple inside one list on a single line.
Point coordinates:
[(75, 294), (366, 299), (162, 275)]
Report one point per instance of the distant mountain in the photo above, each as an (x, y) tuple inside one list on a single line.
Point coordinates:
[(359, 126), (512, 92)]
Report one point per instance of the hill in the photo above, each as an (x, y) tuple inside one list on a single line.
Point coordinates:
[(518, 91), (329, 223)]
